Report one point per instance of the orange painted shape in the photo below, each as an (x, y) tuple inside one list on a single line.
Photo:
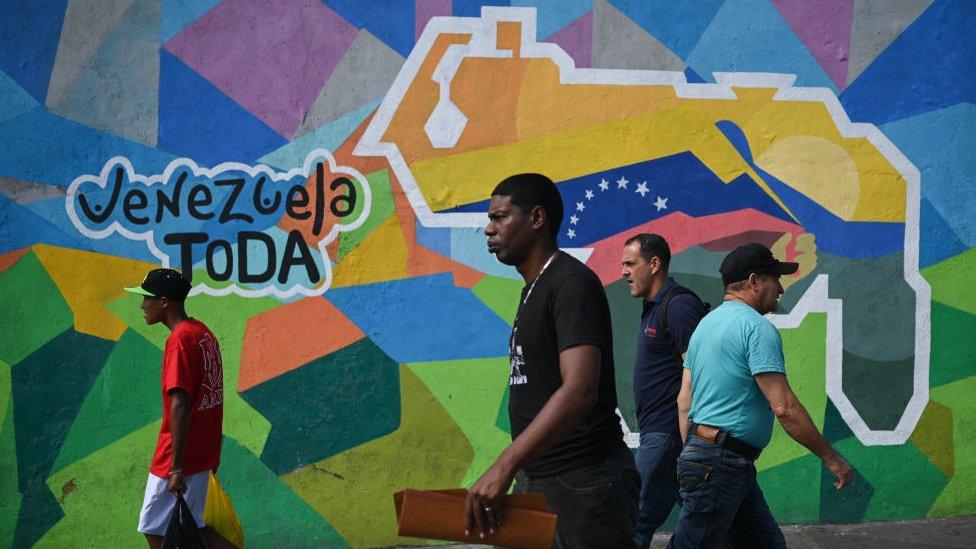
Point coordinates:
[(509, 37), (106, 276), (10, 259), (682, 232), (284, 338)]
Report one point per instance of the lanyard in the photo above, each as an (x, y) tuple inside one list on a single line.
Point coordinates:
[(511, 340)]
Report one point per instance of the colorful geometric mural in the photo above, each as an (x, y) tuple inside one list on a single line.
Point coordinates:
[(371, 356)]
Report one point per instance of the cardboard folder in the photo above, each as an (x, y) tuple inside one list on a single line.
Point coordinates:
[(439, 514)]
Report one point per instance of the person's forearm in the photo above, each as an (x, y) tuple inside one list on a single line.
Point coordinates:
[(179, 417), (683, 421), (798, 424), (561, 415)]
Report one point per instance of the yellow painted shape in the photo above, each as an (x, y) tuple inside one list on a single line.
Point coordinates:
[(88, 280), (881, 190), (381, 256), (354, 490), (580, 152), (818, 168), (933, 437)]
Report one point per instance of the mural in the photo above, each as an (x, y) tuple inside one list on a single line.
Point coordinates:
[(322, 168)]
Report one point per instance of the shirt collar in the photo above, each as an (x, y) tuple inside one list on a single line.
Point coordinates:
[(656, 298)]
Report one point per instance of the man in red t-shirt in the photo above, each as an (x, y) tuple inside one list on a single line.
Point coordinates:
[(193, 408)]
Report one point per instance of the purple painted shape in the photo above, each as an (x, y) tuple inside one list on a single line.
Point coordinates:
[(825, 29), (577, 39), (425, 9), (272, 58)]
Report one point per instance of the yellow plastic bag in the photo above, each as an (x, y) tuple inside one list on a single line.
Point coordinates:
[(219, 513)]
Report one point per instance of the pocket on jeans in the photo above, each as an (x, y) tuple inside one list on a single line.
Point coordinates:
[(695, 481)]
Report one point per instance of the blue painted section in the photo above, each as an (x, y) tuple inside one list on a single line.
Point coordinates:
[(178, 14), (53, 212), (693, 77), (853, 239), (469, 246), (553, 15), (472, 8), (14, 100), (687, 184), (328, 137), (392, 21), (678, 25), (29, 34), (930, 66), (942, 145), (20, 228), (198, 121), (434, 238), (42, 147), (751, 36), (423, 319), (938, 242)]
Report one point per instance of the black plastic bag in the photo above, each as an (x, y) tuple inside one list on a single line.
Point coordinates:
[(182, 531)]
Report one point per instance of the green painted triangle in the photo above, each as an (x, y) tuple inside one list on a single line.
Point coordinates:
[(271, 515), (953, 354), (951, 281), (501, 295), (382, 206), (124, 398), (27, 324), (805, 350), (471, 390), (625, 316), (502, 421), (9, 494), (99, 492), (792, 489)]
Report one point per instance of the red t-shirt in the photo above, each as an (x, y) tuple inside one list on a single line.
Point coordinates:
[(191, 362)]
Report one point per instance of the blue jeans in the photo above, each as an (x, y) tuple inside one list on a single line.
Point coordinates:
[(721, 500), (657, 460), (596, 504)]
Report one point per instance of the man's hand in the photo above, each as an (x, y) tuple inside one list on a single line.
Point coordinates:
[(483, 509), (841, 469), (177, 482)]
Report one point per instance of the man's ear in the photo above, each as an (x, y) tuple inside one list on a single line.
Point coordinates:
[(655, 264), (537, 217), (754, 281)]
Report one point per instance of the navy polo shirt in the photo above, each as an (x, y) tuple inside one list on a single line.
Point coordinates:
[(658, 365)]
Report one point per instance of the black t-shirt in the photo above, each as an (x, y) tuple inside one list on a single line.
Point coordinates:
[(566, 308)]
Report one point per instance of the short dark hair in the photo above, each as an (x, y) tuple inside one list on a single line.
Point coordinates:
[(651, 246), (528, 190)]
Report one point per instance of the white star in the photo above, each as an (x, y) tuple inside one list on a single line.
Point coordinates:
[(604, 184), (661, 203), (580, 206), (573, 220), (642, 189), (571, 233), (589, 194), (622, 182)]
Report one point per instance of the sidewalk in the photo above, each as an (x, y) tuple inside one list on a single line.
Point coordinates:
[(917, 534)]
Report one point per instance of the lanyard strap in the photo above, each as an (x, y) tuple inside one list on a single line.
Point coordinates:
[(511, 341)]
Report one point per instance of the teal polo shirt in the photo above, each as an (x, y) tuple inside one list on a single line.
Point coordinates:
[(732, 344)]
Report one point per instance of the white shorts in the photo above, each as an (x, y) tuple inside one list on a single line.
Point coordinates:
[(158, 505)]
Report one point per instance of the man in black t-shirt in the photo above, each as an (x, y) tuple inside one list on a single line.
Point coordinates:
[(671, 313), (566, 436)]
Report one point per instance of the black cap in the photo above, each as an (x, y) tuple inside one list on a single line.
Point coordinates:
[(752, 258), (168, 283)]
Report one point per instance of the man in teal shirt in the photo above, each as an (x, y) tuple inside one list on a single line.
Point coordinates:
[(734, 383)]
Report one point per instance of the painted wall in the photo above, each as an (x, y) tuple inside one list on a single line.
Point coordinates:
[(322, 169)]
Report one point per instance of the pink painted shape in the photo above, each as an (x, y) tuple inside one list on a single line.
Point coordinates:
[(682, 232), (425, 9), (271, 58), (825, 29), (577, 39)]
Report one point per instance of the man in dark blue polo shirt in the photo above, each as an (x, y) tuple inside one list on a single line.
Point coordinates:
[(671, 313)]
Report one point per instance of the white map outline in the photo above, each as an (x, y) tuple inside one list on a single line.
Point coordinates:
[(212, 173), (445, 130)]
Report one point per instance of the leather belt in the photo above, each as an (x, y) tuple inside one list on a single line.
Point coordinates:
[(725, 440)]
